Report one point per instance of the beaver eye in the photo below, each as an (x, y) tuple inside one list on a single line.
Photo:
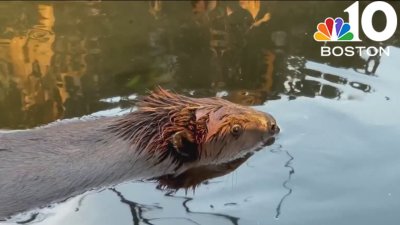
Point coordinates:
[(236, 130)]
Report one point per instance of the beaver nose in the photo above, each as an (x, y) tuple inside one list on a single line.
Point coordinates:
[(273, 127)]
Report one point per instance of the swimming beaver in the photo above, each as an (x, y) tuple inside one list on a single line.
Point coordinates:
[(167, 134)]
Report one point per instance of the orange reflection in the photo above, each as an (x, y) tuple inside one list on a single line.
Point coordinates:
[(30, 56), (35, 47), (252, 6)]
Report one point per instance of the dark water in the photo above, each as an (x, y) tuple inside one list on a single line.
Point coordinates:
[(337, 160)]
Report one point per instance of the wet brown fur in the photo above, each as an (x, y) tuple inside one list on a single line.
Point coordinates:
[(169, 113)]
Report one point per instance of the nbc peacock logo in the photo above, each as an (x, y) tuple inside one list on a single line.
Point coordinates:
[(336, 30), (333, 30)]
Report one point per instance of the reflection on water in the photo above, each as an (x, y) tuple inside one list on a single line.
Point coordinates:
[(58, 59), (25, 62), (285, 184), (136, 209), (193, 177)]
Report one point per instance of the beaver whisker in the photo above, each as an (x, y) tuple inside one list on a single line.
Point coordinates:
[(220, 150)]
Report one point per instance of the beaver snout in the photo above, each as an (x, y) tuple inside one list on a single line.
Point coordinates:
[(273, 127)]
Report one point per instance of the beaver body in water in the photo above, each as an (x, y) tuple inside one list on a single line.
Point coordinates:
[(167, 135)]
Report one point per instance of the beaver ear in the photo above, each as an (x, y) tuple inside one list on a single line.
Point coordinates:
[(184, 146)]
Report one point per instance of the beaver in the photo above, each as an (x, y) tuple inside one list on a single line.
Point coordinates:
[(167, 134)]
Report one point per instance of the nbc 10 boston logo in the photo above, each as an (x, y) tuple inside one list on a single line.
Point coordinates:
[(337, 30)]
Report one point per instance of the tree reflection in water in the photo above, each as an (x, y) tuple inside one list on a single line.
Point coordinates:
[(58, 59)]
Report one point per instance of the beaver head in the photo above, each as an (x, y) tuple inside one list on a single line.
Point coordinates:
[(196, 131)]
